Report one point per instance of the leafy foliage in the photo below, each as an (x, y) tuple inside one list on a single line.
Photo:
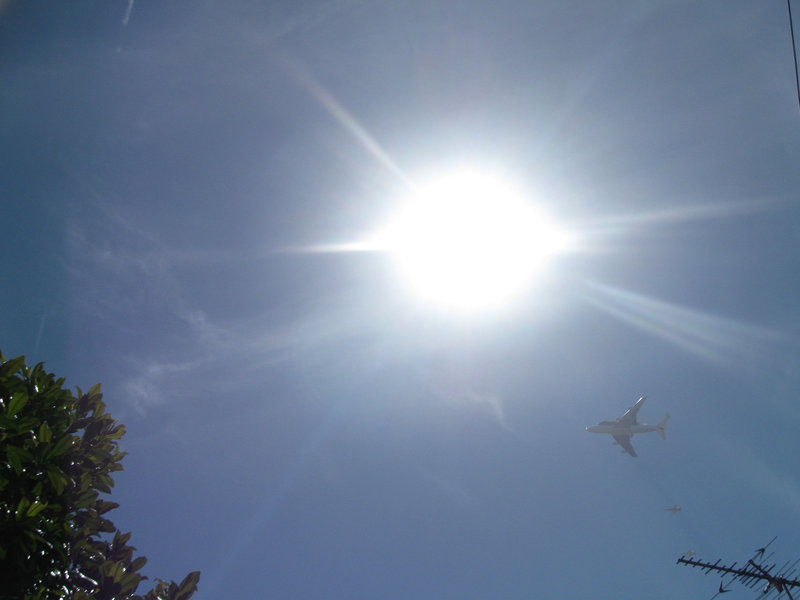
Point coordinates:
[(57, 454)]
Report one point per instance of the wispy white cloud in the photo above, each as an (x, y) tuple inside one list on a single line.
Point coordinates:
[(452, 488), (767, 478), (124, 277), (231, 354), (783, 487), (127, 279), (128, 11), (463, 394), (285, 20), (148, 386)]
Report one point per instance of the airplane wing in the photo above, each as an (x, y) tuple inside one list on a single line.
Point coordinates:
[(625, 442), (629, 418)]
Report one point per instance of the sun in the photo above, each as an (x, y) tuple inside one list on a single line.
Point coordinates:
[(469, 241)]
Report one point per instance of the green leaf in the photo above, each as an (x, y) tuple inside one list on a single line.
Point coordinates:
[(61, 446), (105, 525), (16, 456), (37, 537), (129, 583), (103, 506), (6, 424), (57, 478), (86, 499), (18, 401), (45, 433), (12, 366), (138, 563), (23, 505), (117, 571), (14, 461), (188, 586), (116, 433), (36, 508)]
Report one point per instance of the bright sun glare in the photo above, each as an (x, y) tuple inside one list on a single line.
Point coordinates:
[(470, 241)]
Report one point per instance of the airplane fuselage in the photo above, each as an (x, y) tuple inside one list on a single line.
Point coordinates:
[(614, 429)]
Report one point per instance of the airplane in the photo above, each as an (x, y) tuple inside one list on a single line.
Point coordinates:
[(624, 428), (674, 510)]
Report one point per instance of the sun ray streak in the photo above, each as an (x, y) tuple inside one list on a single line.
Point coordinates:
[(694, 212), (336, 248), (714, 338), (345, 119)]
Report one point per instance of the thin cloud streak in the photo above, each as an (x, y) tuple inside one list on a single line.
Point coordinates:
[(39, 333), (127, 16)]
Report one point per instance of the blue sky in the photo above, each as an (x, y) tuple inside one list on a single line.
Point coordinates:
[(300, 423)]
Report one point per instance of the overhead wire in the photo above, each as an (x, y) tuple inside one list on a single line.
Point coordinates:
[(794, 51)]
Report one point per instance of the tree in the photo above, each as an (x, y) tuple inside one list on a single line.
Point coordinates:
[(57, 453)]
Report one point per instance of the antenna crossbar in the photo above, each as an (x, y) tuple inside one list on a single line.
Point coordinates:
[(752, 573)]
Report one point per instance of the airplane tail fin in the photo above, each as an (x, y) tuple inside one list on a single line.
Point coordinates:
[(661, 428)]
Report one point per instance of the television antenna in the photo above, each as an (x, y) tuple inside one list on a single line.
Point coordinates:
[(754, 571)]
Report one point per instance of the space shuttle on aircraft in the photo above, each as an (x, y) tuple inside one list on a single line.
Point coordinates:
[(624, 428)]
